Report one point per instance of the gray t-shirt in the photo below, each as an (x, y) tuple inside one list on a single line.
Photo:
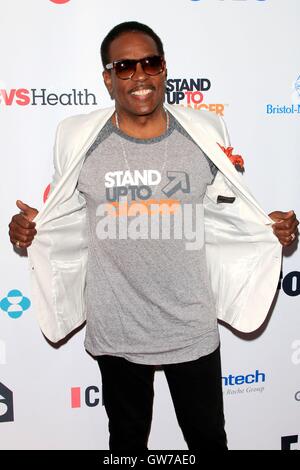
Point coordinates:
[(149, 298)]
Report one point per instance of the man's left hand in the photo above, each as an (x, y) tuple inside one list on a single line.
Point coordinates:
[(285, 226)]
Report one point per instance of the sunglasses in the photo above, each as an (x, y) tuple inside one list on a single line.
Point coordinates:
[(126, 68)]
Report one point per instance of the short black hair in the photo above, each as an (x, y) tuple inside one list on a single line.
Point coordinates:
[(128, 27)]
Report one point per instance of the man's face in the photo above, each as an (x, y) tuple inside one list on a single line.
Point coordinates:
[(135, 46)]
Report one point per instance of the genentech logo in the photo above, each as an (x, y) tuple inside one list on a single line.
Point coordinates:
[(256, 377), (89, 395), (44, 97), (190, 92), (240, 384), (6, 404)]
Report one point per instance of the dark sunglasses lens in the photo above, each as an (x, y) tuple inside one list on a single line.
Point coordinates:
[(152, 65), (125, 68)]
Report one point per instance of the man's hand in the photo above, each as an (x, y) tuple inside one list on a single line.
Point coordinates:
[(21, 228), (285, 227)]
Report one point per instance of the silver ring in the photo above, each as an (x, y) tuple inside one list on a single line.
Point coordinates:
[(17, 243), (293, 236)]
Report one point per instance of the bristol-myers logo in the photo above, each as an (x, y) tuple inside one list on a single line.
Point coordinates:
[(6, 404), (292, 108), (15, 303), (296, 91)]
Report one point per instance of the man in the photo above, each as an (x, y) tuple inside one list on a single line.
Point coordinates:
[(150, 299)]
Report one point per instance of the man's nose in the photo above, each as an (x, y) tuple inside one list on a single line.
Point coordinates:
[(139, 73)]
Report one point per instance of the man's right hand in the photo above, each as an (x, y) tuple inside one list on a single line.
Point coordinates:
[(21, 227)]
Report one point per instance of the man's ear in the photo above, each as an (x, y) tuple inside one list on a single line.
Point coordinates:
[(108, 82)]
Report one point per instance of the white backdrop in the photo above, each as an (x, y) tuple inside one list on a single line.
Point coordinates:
[(248, 51)]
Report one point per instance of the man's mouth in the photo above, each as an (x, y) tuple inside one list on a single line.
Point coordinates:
[(142, 91)]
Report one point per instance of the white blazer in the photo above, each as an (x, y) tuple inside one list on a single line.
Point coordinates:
[(243, 254)]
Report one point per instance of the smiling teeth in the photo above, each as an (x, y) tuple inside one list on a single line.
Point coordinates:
[(141, 92)]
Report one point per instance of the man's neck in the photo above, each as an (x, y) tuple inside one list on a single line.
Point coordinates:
[(142, 127)]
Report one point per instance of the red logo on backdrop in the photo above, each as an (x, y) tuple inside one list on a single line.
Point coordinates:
[(20, 96), (75, 397), (90, 397), (59, 1)]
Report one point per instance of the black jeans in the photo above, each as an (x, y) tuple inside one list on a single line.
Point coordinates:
[(196, 391)]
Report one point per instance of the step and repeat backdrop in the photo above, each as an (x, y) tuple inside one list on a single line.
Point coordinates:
[(236, 58)]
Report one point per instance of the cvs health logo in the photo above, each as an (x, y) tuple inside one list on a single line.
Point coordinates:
[(43, 97), (6, 404), (19, 96)]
